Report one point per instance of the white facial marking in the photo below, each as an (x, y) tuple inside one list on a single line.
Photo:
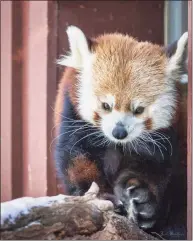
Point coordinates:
[(87, 100), (133, 125), (162, 110), (109, 99), (136, 104)]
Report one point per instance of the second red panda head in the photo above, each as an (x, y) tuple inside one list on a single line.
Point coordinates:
[(125, 87)]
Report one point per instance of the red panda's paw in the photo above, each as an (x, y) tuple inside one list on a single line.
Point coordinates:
[(141, 205), (118, 205)]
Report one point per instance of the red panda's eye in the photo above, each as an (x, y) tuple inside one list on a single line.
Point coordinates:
[(139, 110), (106, 106)]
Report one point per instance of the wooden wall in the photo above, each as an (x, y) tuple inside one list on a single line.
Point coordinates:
[(28, 88)]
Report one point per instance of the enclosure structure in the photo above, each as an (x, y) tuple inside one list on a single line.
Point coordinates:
[(32, 38)]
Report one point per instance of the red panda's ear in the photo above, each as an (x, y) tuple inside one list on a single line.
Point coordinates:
[(80, 49), (178, 57), (171, 49)]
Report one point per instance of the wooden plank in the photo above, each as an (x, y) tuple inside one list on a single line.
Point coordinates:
[(52, 48), (6, 100), (35, 98), (17, 75), (29, 51), (189, 134)]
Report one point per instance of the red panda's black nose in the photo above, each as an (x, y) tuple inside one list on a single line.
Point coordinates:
[(119, 132)]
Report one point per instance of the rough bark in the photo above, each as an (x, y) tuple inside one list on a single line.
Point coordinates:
[(76, 218)]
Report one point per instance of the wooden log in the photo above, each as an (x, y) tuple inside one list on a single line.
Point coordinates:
[(66, 217)]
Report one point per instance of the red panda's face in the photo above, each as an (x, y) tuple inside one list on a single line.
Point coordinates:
[(125, 87)]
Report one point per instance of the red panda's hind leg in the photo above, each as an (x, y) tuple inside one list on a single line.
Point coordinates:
[(81, 173)]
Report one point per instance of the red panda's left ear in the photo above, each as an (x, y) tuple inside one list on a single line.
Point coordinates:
[(80, 49), (171, 49), (177, 54)]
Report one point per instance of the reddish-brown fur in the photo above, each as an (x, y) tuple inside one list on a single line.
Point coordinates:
[(148, 124), (133, 182), (123, 74), (68, 80), (96, 117), (83, 170)]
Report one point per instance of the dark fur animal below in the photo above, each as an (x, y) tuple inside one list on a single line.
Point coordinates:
[(113, 168)]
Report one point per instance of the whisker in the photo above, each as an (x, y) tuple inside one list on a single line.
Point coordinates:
[(98, 137), (142, 141), (134, 146), (124, 148), (84, 127), (72, 126), (58, 113), (157, 144), (94, 133), (66, 132), (130, 149), (151, 141), (57, 138), (104, 142), (167, 139)]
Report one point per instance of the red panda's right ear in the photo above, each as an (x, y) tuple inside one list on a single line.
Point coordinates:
[(80, 49)]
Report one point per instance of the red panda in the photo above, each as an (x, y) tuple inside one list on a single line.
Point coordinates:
[(116, 111)]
